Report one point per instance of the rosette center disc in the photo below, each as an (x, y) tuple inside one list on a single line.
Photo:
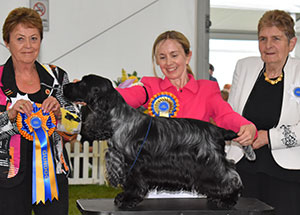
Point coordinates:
[(297, 91), (36, 122), (164, 106)]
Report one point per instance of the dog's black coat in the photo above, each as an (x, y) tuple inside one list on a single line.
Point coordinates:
[(179, 154)]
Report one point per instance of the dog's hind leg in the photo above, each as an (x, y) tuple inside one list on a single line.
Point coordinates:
[(231, 189), (134, 191), (218, 180), (226, 194)]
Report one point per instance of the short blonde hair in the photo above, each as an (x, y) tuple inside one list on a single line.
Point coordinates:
[(25, 16), (279, 18)]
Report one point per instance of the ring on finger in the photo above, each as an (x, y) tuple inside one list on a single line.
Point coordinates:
[(21, 106)]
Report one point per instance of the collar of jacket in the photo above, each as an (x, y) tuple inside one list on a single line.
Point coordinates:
[(9, 82), (191, 85)]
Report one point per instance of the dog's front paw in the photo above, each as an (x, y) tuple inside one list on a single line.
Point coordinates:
[(126, 201), (119, 199), (215, 203)]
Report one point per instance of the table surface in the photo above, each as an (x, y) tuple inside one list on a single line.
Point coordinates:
[(168, 206)]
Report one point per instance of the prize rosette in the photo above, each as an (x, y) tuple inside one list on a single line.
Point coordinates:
[(163, 104), (37, 128), (294, 92)]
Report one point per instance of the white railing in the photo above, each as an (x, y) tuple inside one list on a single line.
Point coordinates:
[(87, 162)]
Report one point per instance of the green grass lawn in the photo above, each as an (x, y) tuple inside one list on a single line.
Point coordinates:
[(88, 192)]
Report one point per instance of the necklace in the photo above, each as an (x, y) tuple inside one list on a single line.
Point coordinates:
[(273, 82)]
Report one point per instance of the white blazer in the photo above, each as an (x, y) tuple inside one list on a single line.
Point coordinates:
[(288, 128)]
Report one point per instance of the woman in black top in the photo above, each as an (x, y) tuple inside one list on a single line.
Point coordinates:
[(266, 91), (24, 82)]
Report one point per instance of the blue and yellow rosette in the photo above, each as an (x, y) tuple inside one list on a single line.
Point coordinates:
[(37, 128), (163, 104), (294, 92)]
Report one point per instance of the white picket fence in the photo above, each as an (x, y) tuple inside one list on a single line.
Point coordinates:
[(87, 162)]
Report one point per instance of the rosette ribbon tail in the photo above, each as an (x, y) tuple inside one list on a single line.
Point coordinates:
[(44, 186), (37, 128)]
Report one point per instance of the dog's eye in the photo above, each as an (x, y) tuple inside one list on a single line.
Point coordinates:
[(95, 89)]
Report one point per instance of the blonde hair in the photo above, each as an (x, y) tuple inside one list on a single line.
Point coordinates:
[(280, 19), (174, 35), (25, 16)]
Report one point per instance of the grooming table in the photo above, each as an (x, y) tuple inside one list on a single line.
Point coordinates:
[(174, 206)]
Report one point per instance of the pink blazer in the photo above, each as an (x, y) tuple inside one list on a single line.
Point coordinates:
[(198, 99)]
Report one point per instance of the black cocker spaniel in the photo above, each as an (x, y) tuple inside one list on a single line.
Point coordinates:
[(145, 153)]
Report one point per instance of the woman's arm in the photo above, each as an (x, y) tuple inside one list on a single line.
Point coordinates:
[(7, 128), (284, 136), (226, 117), (135, 96)]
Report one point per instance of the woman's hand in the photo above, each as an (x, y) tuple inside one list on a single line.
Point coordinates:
[(51, 104), (261, 140), (246, 134), (23, 106)]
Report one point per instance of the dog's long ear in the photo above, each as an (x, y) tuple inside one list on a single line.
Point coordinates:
[(97, 126), (101, 98)]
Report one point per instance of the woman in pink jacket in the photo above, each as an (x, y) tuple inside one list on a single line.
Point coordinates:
[(198, 99)]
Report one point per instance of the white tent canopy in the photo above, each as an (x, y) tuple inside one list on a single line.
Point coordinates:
[(102, 37)]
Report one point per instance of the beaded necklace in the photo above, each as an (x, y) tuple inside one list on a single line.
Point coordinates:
[(273, 82)]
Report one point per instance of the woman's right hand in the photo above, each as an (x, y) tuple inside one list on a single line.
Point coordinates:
[(246, 134), (23, 106)]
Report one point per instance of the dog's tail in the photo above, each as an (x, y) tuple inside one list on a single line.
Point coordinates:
[(248, 150), (229, 134)]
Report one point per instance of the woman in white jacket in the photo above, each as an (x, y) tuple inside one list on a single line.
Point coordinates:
[(266, 91)]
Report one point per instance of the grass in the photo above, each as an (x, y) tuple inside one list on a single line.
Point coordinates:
[(88, 192)]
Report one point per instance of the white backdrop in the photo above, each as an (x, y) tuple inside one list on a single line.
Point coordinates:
[(126, 30)]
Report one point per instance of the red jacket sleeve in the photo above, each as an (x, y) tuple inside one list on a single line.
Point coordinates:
[(222, 113)]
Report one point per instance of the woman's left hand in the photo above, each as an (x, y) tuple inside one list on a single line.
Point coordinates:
[(246, 134), (261, 140), (51, 104)]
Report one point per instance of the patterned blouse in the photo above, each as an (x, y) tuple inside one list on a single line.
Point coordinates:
[(16, 151)]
